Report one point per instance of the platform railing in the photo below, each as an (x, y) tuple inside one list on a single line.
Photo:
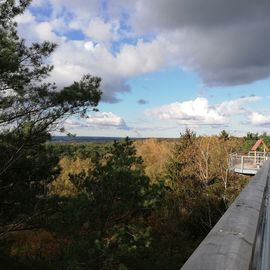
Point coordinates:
[(241, 238), (249, 163)]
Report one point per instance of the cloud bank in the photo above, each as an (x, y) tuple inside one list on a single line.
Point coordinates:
[(200, 112), (224, 42)]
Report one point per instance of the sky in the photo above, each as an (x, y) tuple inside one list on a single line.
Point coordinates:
[(166, 65)]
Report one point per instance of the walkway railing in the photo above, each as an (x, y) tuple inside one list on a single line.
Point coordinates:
[(247, 164), (241, 238)]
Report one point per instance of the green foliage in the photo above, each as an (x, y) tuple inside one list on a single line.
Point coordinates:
[(107, 220), (29, 109), (183, 154), (251, 138), (74, 150), (224, 135), (266, 138)]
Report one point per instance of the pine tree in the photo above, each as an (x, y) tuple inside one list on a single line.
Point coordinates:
[(30, 107), (108, 218)]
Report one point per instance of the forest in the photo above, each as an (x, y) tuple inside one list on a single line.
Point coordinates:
[(142, 204), (123, 205)]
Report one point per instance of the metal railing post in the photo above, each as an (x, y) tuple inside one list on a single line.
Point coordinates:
[(242, 164)]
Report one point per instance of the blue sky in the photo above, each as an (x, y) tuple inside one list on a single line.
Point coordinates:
[(165, 65)]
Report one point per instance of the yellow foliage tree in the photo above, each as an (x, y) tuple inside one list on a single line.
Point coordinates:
[(155, 154), (62, 185)]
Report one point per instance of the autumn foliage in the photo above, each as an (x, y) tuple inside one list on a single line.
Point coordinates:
[(137, 205)]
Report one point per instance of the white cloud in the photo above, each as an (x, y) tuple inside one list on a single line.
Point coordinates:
[(99, 30), (35, 31), (140, 58), (38, 3), (74, 58), (200, 112), (259, 119), (98, 120), (196, 111), (73, 124), (235, 106), (44, 31), (106, 119), (90, 46), (80, 8), (26, 17)]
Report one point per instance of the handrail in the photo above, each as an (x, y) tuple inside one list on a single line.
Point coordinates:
[(231, 243), (247, 156), (247, 164), (260, 257)]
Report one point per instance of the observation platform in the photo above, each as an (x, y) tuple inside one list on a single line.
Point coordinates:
[(247, 164)]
